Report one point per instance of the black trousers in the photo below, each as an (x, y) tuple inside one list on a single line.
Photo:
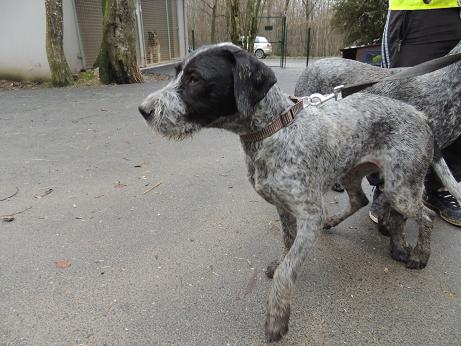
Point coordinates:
[(413, 37)]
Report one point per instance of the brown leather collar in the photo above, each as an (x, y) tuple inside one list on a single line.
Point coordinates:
[(283, 120)]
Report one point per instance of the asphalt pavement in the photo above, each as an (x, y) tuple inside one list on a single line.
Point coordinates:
[(122, 237)]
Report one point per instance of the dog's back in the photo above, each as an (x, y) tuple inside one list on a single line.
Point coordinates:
[(437, 94), (324, 74)]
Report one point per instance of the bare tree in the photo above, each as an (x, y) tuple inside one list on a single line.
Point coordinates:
[(253, 11), (60, 71), (117, 57), (235, 29), (234, 19), (285, 8), (214, 8), (309, 6), (244, 23)]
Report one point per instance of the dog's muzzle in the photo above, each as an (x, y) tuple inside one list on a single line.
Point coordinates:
[(144, 112)]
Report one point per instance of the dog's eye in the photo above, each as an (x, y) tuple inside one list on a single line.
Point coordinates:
[(193, 79)]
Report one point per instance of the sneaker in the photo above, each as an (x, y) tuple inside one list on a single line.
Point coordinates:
[(444, 204), (376, 208)]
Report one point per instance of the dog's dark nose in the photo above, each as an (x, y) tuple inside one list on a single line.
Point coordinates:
[(145, 114)]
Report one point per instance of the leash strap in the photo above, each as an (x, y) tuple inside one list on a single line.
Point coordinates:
[(418, 70), (283, 120), (286, 118)]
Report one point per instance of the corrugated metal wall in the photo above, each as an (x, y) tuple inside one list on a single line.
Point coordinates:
[(161, 17), (89, 14), (174, 34), (158, 16)]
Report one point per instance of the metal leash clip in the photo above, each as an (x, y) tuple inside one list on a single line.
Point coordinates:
[(319, 99)]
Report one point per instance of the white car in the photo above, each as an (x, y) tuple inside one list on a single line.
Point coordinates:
[(262, 47)]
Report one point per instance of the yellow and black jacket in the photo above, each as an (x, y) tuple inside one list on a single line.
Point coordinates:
[(411, 5)]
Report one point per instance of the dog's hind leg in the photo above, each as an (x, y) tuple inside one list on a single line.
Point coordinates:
[(394, 223), (403, 191), (288, 222), (419, 255), (352, 183)]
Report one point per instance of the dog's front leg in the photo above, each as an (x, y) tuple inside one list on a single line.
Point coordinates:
[(288, 222), (278, 307)]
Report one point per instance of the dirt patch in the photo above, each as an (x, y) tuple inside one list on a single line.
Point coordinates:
[(17, 85), (83, 79), (155, 77)]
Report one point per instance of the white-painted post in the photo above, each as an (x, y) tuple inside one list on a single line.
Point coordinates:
[(168, 27), (182, 28), (79, 38), (140, 26)]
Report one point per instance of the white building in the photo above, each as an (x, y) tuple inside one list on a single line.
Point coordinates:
[(23, 35)]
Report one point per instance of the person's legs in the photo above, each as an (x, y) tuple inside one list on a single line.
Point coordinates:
[(452, 155), (410, 38), (437, 197)]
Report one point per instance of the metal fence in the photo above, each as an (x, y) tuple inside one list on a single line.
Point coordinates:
[(275, 30)]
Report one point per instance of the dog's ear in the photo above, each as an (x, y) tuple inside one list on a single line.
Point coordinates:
[(252, 80)]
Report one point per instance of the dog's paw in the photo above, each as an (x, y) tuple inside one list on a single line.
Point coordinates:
[(277, 326), (270, 269), (384, 230), (400, 253), (331, 222), (418, 259)]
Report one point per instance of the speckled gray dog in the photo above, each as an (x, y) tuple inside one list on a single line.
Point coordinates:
[(437, 94), (224, 87)]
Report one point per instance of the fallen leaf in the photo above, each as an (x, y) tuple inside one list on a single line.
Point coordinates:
[(8, 218), (8, 197), (151, 188), (141, 164), (46, 193), (63, 264), (119, 185)]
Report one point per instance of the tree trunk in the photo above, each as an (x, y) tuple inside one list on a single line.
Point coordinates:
[(213, 21), (117, 58), (285, 8), (60, 71), (234, 18), (254, 9)]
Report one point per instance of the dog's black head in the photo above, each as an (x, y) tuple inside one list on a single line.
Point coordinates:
[(214, 83), (222, 81)]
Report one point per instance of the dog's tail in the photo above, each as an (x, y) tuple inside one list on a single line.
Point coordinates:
[(444, 173)]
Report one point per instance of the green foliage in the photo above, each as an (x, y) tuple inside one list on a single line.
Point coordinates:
[(360, 21), (377, 59)]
